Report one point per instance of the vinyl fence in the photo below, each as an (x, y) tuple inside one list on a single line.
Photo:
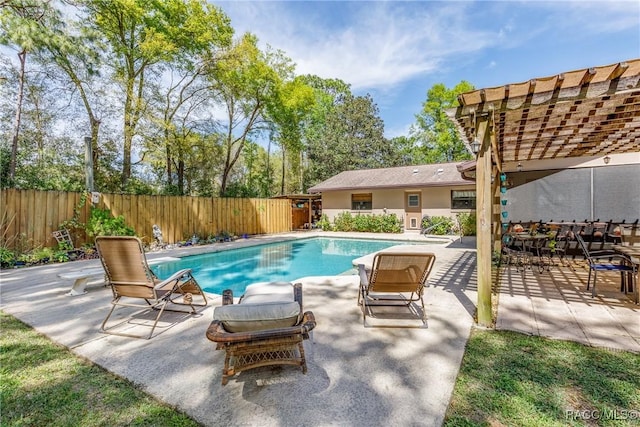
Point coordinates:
[(28, 217)]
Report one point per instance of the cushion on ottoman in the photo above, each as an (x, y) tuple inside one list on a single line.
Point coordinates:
[(256, 317), (268, 292)]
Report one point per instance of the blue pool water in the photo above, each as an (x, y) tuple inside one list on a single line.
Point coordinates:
[(287, 261)]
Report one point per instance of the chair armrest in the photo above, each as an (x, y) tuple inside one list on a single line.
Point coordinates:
[(362, 272), (175, 277), (217, 333), (605, 254), (612, 257)]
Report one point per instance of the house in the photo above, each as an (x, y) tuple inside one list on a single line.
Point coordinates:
[(410, 192)]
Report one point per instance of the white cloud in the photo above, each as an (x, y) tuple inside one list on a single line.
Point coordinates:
[(383, 44), (380, 44), (396, 50)]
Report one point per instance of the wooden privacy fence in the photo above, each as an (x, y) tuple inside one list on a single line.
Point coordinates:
[(28, 217)]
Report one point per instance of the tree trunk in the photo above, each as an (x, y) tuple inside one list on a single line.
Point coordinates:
[(132, 111), (94, 123), (169, 170), (128, 136), (95, 131), (126, 156), (180, 172), (284, 158), (22, 56)]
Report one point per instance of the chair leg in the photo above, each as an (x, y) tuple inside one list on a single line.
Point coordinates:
[(593, 288), (193, 289), (114, 304), (157, 318), (113, 307), (226, 372), (303, 360), (364, 313)]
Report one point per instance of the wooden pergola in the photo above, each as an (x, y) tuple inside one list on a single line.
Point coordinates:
[(544, 123)]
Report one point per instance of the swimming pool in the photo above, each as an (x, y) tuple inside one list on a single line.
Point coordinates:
[(287, 261)]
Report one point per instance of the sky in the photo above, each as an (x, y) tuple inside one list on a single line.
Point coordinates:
[(396, 50)]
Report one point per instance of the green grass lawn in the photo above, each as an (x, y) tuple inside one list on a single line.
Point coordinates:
[(511, 379), (43, 384), (506, 379)]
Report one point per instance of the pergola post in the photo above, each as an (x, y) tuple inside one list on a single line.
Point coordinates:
[(484, 203)]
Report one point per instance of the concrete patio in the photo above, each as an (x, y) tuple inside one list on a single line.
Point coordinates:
[(556, 304), (357, 375)]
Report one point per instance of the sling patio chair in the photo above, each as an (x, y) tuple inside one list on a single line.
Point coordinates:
[(396, 279), (267, 327), (604, 261), (512, 253), (131, 280)]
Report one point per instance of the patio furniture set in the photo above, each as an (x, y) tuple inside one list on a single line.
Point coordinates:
[(607, 247), (268, 324)]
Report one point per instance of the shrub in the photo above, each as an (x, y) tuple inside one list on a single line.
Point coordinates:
[(324, 223), (41, 255), (343, 222), (390, 223), (363, 223), (386, 223), (438, 225), (467, 221), (102, 223), (7, 257)]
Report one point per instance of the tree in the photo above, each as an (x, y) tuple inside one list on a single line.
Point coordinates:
[(19, 27), (183, 95), (328, 94), (352, 138), (288, 109), (176, 103), (243, 81), (141, 35), (46, 159), (73, 50), (251, 178), (405, 152), (435, 131)]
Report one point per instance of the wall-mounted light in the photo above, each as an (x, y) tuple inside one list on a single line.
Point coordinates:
[(475, 146), (519, 167), (606, 159)]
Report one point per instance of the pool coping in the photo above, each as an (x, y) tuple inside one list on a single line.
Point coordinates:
[(177, 253)]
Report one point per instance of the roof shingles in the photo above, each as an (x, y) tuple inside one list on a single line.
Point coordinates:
[(434, 175)]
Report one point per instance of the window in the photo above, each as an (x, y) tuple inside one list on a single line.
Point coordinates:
[(414, 222), (413, 201), (463, 199), (361, 202)]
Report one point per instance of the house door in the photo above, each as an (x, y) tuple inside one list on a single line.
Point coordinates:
[(413, 210)]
